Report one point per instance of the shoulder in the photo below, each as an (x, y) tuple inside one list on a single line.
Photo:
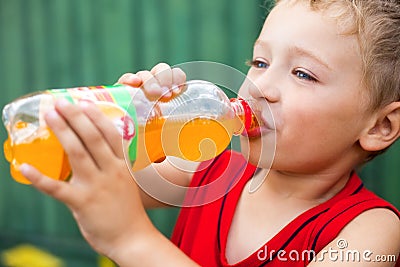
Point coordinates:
[(370, 237), (377, 223)]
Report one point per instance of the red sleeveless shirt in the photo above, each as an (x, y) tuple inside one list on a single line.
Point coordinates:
[(202, 230)]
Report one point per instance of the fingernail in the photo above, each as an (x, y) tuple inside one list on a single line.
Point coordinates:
[(84, 103), (62, 102), (166, 92), (24, 169), (133, 78), (155, 89), (175, 89), (52, 114)]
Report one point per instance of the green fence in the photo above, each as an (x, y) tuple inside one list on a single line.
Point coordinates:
[(66, 43)]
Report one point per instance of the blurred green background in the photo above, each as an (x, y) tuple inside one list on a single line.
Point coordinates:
[(66, 43)]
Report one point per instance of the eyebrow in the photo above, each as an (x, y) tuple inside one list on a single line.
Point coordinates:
[(299, 51), (306, 53)]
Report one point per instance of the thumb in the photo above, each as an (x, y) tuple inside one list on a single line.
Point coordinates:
[(57, 189), (130, 79)]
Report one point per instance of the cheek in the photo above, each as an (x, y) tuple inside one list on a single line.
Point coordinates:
[(318, 133), (324, 117), (244, 89)]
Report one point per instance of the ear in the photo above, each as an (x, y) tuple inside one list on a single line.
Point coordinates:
[(385, 129)]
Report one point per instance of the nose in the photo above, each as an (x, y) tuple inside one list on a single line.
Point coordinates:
[(264, 86)]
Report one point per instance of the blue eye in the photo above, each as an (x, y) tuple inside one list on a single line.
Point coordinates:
[(304, 76), (258, 64)]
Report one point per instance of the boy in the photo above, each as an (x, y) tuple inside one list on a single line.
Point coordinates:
[(330, 72)]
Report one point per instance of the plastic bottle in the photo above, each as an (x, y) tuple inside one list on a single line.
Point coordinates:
[(196, 125)]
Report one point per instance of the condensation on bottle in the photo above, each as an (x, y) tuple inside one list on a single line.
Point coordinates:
[(196, 125)]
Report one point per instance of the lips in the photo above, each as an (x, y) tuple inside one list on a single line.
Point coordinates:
[(263, 120), (252, 133), (258, 131)]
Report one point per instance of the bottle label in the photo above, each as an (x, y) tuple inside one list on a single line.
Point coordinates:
[(115, 102)]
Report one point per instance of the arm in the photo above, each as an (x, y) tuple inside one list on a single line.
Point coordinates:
[(103, 197), (155, 182), (366, 241), (163, 184)]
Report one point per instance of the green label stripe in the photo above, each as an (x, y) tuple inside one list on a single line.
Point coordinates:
[(123, 98), (61, 93)]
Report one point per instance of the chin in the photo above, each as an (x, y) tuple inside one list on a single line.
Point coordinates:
[(259, 152)]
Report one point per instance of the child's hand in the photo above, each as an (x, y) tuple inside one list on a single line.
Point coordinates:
[(161, 81), (102, 193)]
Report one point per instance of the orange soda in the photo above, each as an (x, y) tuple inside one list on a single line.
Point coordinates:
[(196, 125)]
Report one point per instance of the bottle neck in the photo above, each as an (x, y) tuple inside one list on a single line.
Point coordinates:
[(244, 114)]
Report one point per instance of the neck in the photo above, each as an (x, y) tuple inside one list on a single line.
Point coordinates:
[(309, 188)]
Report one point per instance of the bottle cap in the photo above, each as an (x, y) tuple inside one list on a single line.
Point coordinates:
[(247, 113)]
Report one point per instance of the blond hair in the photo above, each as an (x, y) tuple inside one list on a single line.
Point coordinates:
[(377, 26)]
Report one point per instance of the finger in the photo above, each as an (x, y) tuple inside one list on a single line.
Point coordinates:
[(93, 147), (178, 80), (130, 79), (163, 73), (151, 87), (58, 189), (70, 142), (105, 126)]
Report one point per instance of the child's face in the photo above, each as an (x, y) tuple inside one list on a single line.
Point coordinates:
[(310, 74)]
